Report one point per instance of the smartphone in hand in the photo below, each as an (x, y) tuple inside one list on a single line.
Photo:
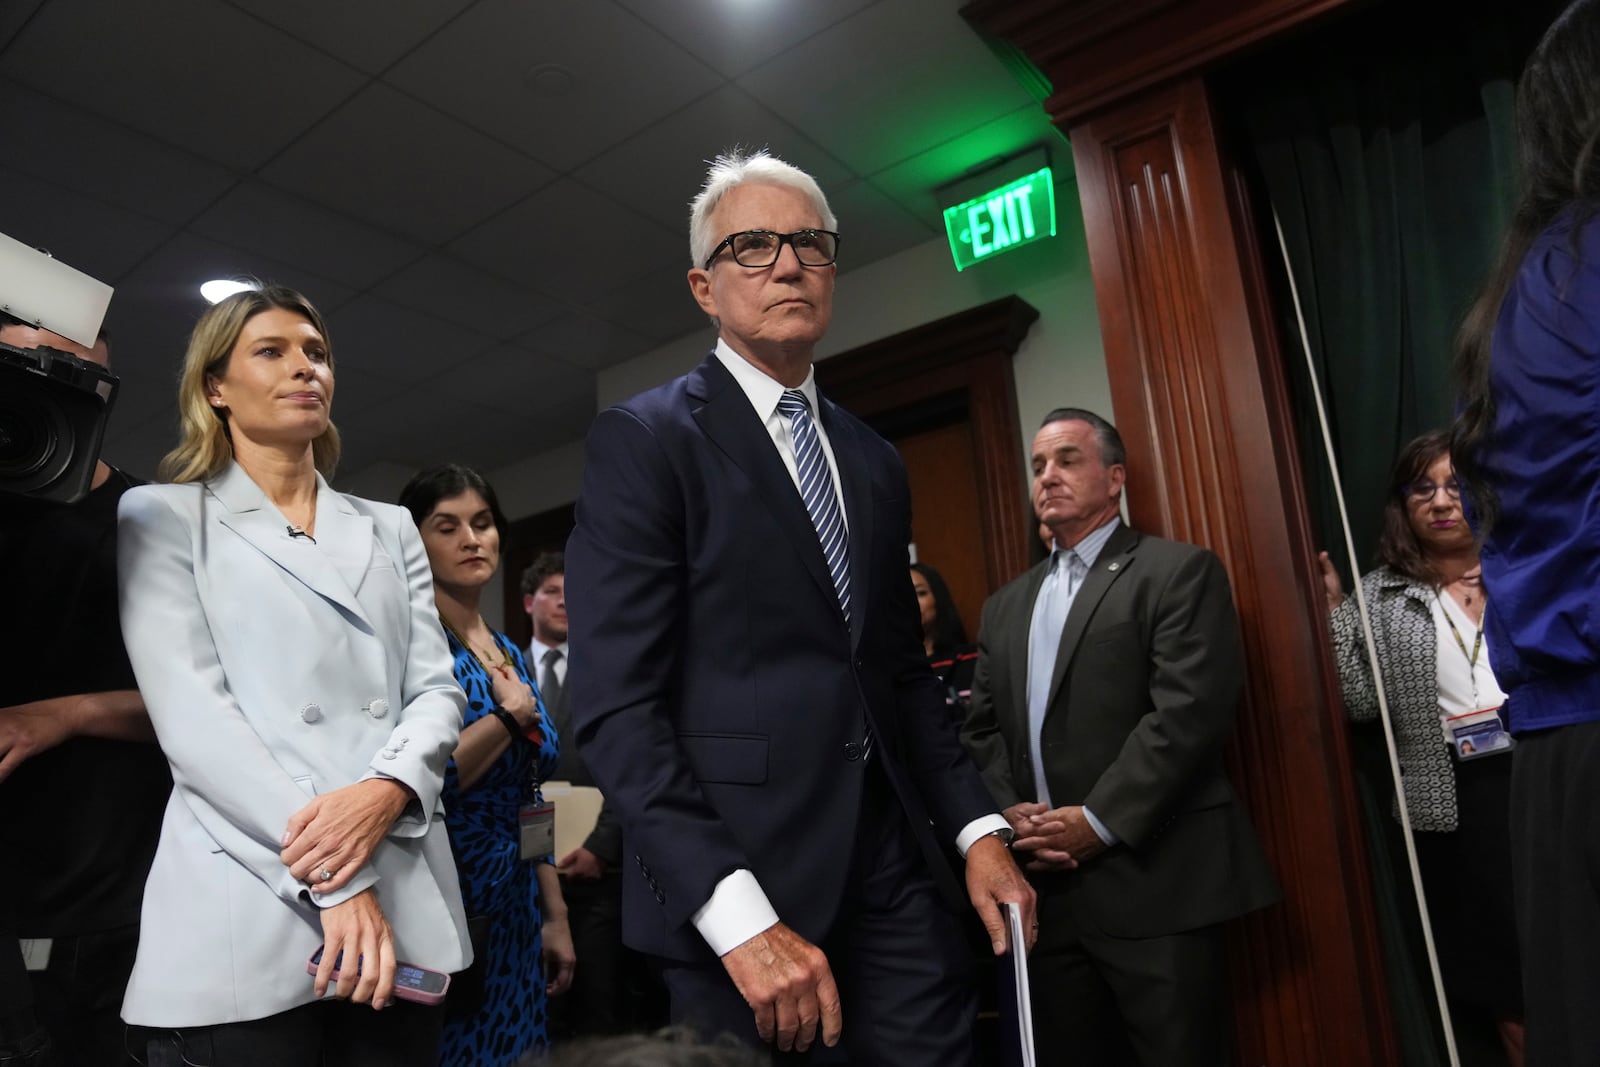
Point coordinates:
[(410, 982)]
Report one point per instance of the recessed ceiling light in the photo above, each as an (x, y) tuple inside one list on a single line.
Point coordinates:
[(549, 80), (219, 289)]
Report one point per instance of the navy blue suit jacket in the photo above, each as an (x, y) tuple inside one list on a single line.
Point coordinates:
[(720, 699)]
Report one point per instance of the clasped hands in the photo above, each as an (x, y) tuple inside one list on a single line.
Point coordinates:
[(336, 834), (1052, 839)]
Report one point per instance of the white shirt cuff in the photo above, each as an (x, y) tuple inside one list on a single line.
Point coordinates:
[(737, 911), (1101, 829), (979, 827)]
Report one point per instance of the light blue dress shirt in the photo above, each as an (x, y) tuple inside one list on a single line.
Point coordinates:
[(1068, 568)]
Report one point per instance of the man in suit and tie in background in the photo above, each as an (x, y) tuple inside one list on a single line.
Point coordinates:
[(749, 686), (590, 879), (1105, 693)]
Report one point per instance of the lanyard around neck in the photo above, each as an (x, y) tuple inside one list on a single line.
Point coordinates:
[(1477, 641)]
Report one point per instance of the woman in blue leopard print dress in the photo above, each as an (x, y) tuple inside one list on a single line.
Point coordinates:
[(507, 746)]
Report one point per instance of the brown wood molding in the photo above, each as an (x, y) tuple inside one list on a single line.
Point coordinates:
[(1096, 52), (1200, 399), (966, 356)]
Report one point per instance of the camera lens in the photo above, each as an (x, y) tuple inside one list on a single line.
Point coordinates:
[(30, 439)]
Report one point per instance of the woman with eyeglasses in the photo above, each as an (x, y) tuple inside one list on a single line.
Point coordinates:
[(1426, 602)]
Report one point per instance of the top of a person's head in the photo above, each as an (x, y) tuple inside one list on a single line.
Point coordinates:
[(1398, 546), (545, 565), (948, 632), (1106, 436), (429, 486), (204, 445), (669, 1048), (738, 167), (1558, 113), (19, 334)]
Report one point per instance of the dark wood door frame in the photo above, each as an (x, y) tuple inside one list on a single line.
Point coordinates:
[(1199, 393), (965, 358)]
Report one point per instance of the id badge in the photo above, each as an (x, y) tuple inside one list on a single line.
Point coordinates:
[(1479, 734), (538, 825)]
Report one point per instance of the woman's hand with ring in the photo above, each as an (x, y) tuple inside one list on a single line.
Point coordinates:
[(336, 832)]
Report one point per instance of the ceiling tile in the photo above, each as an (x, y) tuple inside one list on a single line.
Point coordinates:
[(586, 341), (350, 30), (943, 82), (734, 37), (401, 165), (659, 170), (450, 289), (171, 278), (569, 241), (73, 148), (562, 81), (259, 218), (104, 242), (372, 336), (914, 184), (13, 16), (891, 230), (211, 79), (524, 385), (657, 307)]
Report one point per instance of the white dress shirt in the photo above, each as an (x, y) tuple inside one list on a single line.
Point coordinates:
[(536, 651), (738, 908)]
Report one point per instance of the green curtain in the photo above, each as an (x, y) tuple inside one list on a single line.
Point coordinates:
[(1384, 141)]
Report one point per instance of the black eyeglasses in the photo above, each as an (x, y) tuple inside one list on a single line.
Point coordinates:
[(1418, 492), (761, 248)]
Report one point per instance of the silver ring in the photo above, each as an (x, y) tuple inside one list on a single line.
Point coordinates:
[(324, 875)]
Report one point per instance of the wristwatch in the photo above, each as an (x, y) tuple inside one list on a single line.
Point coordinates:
[(1005, 834)]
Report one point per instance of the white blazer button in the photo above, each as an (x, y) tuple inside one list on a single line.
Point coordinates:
[(311, 713), (378, 708), (390, 753)]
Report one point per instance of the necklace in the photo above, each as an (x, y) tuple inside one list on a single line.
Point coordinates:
[(485, 658)]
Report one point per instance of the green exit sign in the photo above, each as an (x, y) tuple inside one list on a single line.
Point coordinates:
[(1011, 216)]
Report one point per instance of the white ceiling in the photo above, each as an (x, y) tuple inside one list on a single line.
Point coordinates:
[(487, 198)]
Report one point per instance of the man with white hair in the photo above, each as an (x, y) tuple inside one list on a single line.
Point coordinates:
[(750, 689)]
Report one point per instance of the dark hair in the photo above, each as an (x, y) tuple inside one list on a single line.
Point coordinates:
[(1558, 126), (427, 487), (544, 565), (1397, 544), (948, 633), (673, 1047), (1105, 435)]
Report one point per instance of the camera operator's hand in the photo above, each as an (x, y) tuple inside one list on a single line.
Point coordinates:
[(29, 729)]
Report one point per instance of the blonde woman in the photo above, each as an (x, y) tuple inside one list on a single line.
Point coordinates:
[(285, 641)]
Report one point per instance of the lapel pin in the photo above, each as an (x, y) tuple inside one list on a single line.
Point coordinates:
[(1113, 566)]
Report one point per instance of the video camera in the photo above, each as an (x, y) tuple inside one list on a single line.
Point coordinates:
[(53, 405)]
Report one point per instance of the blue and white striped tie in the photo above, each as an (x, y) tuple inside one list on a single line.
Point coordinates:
[(822, 504), (816, 488)]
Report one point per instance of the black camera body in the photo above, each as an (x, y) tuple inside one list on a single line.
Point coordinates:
[(53, 413)]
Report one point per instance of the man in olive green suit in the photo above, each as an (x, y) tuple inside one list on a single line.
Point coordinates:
[(1104, 697)]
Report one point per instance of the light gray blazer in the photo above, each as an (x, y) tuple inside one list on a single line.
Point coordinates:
[(274, 669)]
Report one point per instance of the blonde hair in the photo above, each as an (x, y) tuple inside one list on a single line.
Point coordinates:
[(204, 446)]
